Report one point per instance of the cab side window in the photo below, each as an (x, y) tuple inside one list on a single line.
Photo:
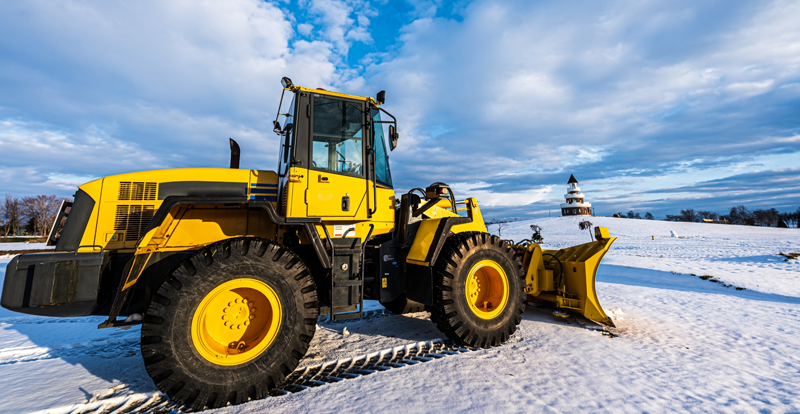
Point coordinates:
[(382, 173), (337, 136)]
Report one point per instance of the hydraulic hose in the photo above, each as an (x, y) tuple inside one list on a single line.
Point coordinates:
[(560, 269), (452, 196)]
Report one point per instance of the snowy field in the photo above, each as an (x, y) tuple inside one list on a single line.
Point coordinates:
[(7, 247), (728, 341)]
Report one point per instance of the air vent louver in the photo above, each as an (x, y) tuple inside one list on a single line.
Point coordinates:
[(285, 198), (131, 191), (133, 220)]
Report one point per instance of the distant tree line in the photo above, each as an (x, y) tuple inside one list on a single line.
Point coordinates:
[(741, 215), (632, 215), (32, 215)]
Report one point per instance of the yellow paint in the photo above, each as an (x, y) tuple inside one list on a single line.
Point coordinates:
[(295, 88), (327, 189), (95, 190), (417, 262), (422, 241), (236, 322), (136, 271), (486, 289), (579, 264), (474, 213)]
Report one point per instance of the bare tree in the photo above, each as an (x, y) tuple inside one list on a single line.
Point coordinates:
[(500, 226), (688, 215), (40, 210), (3, 226), (648, 216), (537, 233), (11, 215), (586, 225), (791, 219), (741, 215)]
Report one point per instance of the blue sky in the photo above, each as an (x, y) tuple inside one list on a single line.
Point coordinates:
[(654, 106)]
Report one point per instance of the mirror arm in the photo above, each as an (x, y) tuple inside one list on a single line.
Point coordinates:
[(280, 104), (393, 121)]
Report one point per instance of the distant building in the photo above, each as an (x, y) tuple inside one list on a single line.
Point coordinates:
[(720, 221), (575, 206)]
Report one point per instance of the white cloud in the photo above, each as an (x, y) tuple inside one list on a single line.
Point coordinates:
[(489, 198), (338, 23), (525, 88), (92, 89), (305, 28)]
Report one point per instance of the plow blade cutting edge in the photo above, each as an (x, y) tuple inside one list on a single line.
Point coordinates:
[(566, 277)]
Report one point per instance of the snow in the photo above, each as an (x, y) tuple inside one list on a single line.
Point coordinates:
[(10, 247), (682, 343)]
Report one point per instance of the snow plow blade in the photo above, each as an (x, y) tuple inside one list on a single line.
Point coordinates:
[(566, 277)]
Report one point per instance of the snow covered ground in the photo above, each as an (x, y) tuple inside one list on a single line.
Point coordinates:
[(683, 343), (7, 247)]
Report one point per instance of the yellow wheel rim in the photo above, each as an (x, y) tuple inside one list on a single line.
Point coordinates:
[(487, 289), (236, 321)]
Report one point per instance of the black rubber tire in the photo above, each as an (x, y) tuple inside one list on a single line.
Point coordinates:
[(450, 311), (170, 357), (402, 305)]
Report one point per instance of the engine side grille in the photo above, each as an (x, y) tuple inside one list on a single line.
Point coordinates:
[(141, 191), (133, 220), (285, 198)]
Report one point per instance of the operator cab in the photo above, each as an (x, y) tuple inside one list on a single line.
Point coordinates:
[(333, 149)]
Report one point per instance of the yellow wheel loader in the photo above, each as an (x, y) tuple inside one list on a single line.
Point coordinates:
[(227, 269)]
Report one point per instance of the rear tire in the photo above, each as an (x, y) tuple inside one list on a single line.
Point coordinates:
[(478, 290), (184, 350)]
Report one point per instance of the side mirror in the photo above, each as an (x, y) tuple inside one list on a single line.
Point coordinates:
[(288, 128), (381, 97), (393, 137)]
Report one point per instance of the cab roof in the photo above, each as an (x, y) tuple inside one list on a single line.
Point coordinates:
[(295, 88)]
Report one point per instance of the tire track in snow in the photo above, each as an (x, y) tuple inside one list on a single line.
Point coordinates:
[(301, 379), (119, 344)]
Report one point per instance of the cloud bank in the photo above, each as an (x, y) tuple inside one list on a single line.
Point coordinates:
[(651, 105)]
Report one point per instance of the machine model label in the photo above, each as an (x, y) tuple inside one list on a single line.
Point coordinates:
[(344, 230)]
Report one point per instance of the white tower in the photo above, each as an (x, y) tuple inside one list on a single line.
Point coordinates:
[(575, 206)]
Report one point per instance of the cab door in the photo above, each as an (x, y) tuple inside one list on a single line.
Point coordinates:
[(337, 185)]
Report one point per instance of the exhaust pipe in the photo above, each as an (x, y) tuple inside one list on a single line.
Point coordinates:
[(235, 152)]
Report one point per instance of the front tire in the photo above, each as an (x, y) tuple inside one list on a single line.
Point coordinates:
[(230, 324), (478, 290)]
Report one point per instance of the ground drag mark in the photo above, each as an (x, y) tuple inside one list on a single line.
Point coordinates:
[(300, 380)]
